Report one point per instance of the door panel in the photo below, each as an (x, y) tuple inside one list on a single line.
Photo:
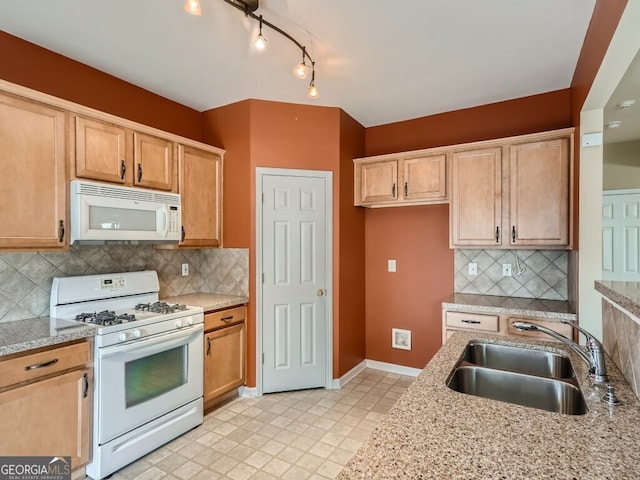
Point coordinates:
[(294, 303), (621, 235)]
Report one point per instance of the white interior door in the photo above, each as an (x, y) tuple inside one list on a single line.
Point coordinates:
[(621, 235), (295, 305)]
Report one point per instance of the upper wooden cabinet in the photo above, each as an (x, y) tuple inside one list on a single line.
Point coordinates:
[(513, 192), (112, 153), (33, 146), (200, 180), (398, 179), (100, 151), (153, 160), (476, 197), (539, 193)]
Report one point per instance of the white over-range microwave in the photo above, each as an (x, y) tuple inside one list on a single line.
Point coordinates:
[(102, 213)]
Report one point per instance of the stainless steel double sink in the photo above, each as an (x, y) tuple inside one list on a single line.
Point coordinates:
[(515, 374)]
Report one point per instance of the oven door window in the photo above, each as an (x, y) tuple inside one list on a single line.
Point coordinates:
[(154, 375)]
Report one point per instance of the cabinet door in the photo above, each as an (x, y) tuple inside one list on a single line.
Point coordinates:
[(201, 195), (476, 195), (153, 161), (100, 151), (539, 193), (224, 361), (32, 142), (376, 182), (47, 418), (425, 178)]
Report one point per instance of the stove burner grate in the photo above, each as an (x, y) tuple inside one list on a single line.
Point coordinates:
[(160, 307), (105, 318)]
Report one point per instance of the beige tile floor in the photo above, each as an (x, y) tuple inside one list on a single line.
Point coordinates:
[(309, 434)]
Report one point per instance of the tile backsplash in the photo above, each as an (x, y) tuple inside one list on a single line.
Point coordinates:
[(621, 340), (26, 277), (543, 273)]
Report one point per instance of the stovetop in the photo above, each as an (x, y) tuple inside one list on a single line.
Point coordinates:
[(141, 311)]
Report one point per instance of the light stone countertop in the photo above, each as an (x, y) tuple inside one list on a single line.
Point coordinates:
[(208, 301), (528, 307), (24, 335), (625, 294), (433, 432)]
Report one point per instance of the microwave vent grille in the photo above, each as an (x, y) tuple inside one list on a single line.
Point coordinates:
[(128, 193)]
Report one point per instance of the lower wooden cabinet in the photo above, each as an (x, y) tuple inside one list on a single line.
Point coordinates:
[(224, 354), (500, 324), (49, 414)]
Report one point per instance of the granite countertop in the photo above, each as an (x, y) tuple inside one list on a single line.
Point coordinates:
[(528, 307), (208, 301), (625, 294), (433, 432), (24, 335)]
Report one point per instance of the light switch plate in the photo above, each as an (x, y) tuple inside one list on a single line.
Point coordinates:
[(391, 265)]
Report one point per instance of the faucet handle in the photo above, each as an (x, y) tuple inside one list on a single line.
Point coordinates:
[(610, 397)]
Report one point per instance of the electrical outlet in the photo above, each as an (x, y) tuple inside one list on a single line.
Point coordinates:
[(506, 269), (185, 269), (473, 269), (391, 265)]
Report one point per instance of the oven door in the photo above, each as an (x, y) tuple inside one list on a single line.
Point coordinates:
[(143, 380)]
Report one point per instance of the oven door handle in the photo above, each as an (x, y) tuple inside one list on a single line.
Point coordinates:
[(168, 341)]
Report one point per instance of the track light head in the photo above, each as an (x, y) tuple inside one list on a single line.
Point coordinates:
[(193, 7), (313, 92)]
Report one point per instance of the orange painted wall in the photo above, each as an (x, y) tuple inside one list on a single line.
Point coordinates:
[(259, 133), (535, 113), (605, 19), (413, 296), (349, 332), (34, 67), (418, 239)]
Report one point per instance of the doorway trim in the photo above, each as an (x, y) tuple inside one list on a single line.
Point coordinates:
[(328, 177)]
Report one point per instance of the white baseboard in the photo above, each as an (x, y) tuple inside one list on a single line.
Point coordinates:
[(252, 392), (343, 380), (393, 368), (248, 392)]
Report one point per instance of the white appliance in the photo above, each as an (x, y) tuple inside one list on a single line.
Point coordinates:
[(103, 213), (148, 363)]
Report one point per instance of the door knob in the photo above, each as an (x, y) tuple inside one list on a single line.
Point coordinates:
[(320, 292)]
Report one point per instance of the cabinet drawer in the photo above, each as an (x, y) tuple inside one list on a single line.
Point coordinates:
[(223, 318), (30, 367), (473, 321), (561, 328)]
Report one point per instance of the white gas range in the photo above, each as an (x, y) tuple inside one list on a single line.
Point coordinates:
[(148, 363)]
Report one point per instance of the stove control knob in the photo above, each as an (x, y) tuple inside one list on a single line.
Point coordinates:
[(179, 324), (122, 337), (137, 333), (190, 321)]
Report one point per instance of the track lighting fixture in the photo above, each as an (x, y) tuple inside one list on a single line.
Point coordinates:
[(260, 42), (300, 70), (313, 92), (250, 6), (193, 7)]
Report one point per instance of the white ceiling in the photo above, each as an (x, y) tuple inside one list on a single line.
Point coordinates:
[(380, 60), (627, 89)]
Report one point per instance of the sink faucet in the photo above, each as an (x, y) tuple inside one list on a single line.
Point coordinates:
[(594, 357)]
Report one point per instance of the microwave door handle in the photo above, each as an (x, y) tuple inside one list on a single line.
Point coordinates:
[(165, 219)]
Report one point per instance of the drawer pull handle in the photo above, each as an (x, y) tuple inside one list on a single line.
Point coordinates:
[(227, 319), (41, 365), (471, 322), (208, 345)]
